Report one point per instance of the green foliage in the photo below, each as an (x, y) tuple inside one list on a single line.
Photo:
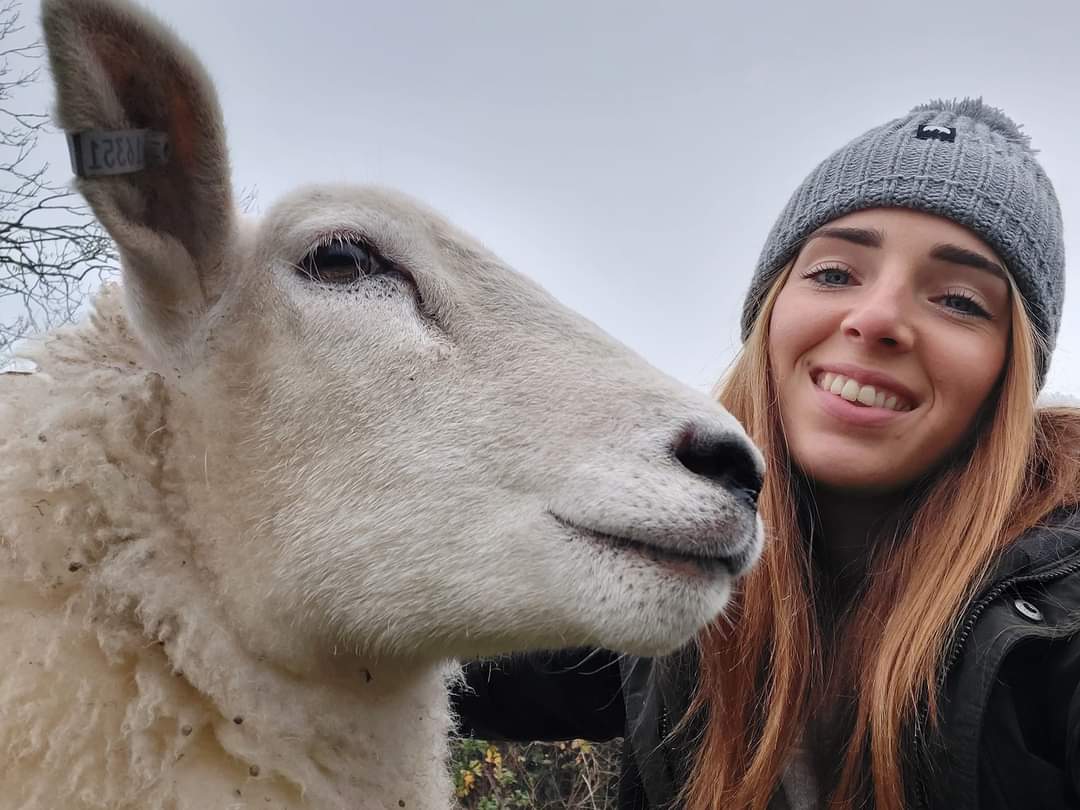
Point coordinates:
[(573, 775)]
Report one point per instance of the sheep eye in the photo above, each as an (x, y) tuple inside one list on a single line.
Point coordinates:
[(341, 263)]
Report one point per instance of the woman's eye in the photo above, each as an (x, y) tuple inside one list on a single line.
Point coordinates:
[(964, 305), (341, 263), (830, 276)]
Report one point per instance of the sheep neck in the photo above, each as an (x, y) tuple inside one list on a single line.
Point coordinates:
[(121, 629)]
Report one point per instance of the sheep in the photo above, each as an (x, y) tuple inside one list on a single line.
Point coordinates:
[(257, 504)]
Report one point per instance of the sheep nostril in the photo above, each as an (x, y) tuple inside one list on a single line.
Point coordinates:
[(724, 458)]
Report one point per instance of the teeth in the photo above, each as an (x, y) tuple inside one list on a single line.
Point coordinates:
[(867, 395)]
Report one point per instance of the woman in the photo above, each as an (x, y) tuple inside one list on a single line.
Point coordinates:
[(911, 637)]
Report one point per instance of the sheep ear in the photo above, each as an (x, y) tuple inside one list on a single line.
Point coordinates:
[(121, 75)]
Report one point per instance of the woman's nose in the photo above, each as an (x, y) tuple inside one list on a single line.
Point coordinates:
[(881, 317)]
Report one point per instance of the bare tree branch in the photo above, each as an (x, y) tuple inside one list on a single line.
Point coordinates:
[(51, 248)]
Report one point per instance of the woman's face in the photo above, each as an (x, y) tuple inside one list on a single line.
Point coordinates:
[(888, 336)]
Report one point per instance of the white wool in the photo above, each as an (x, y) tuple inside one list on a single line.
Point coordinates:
[(122, 678)]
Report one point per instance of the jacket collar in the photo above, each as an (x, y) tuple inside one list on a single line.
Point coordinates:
[(1045, 546)]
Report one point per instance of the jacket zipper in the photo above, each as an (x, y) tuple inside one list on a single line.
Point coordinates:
[(984, 603), (969, 626)]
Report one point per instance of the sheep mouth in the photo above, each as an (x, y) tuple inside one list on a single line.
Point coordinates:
[(680, 560)]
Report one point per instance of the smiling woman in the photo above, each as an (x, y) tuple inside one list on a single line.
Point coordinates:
[(911, 637), (887, 337)]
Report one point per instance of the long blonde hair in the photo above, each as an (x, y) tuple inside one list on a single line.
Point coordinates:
[(762, 668)]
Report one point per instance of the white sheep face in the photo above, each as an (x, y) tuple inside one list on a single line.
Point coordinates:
[(411, 451)]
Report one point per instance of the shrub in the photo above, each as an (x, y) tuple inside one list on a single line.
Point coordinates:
[(573, 775)]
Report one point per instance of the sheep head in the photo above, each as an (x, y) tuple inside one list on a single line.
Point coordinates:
[(393, 444)]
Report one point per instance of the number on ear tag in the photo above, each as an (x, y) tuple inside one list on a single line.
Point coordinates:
[(100, 152)]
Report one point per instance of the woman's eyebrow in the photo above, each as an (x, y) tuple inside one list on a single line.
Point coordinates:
[(969, 258), (867, 237)]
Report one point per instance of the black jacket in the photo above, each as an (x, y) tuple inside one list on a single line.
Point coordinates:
[(1010, 696)]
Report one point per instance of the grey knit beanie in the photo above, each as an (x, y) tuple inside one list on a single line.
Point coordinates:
[(962, 160)]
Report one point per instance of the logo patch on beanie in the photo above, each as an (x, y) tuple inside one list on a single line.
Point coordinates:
[(935, 132)]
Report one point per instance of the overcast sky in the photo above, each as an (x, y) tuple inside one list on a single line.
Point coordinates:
[(629, 156)]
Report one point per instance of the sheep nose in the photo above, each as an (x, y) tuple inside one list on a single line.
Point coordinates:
[(727, 459)]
